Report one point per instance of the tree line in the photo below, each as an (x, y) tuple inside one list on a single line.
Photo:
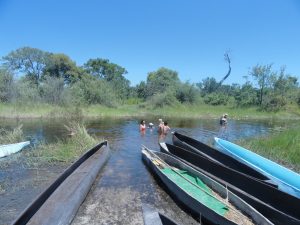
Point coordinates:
[(31, 75)]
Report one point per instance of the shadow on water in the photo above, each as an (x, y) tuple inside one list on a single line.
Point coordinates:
[(124, 183)]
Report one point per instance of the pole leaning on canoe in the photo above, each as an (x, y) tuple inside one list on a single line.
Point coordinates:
[(59, 203)]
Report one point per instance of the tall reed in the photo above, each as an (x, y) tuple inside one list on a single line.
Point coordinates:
[(64, 150), (11, 136), (283, 147)]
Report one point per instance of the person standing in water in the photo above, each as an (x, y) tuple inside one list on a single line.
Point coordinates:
[(166, 128), (223, 119), (223, 133), (142, 125), (164, 131), (160, 126)]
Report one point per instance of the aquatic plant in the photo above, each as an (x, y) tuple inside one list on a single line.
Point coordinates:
[(11, 136), (282, 147), (64, 150)]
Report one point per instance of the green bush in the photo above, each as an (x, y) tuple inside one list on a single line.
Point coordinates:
[(26, 92), (298, 98), (186, 93), (273, 103), (6, 85), (163, 99), (133, 101), (216, 99), (92, 91), (52, 90)]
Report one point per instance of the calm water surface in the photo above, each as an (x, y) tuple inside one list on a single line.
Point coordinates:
[(124, 184)]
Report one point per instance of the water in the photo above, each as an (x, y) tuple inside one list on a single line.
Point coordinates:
[(125, 183)]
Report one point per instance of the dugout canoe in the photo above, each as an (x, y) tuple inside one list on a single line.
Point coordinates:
[(9, 149), (59, 203), (153, 217), (216, 156), (288, 180), (279, 207), (194, 190)]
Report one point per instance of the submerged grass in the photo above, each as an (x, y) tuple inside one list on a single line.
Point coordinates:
[(283, 147), (63, 151)]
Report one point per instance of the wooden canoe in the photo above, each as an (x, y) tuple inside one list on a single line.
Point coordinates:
[(288, 180), (9, 149), (59, 203), (215, 155), (277, 206), (212, 210)]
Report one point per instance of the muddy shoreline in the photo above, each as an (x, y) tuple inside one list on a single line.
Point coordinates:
[(21, 184)]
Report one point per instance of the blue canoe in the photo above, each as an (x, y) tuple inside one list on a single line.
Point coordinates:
[(6, 150), (288, 180)]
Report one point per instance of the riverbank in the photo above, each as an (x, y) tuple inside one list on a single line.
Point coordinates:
[(13, 111)]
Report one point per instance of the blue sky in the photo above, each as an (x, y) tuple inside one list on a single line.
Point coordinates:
[(189, 36)]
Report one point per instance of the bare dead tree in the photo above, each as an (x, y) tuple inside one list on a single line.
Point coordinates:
[(227, 59)]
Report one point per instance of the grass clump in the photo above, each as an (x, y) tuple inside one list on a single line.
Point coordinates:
[(65, 151), (283, 147), (10, 137)]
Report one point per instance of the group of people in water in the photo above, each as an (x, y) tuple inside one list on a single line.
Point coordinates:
[(162, 128)]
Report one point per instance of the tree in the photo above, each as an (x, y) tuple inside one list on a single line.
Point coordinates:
[(30, 61), (159, 81), (103, 69), (93, 91), (52, 90), (262, 74), (6, 85), (110, 72), (246, 96), (227, 59), (284, 83), (61, 66), (25, 92), (186, 93), (208, 85), (141, 90)]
